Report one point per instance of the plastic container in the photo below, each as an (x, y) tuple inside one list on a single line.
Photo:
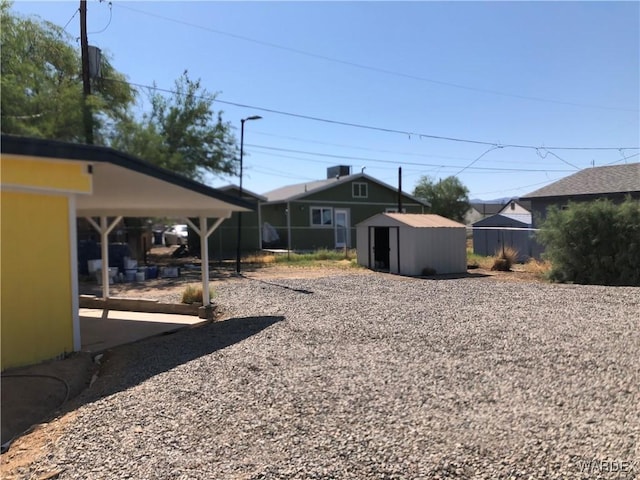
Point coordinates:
[(130, 274), (139, 276), (152, 272), (130, 264)]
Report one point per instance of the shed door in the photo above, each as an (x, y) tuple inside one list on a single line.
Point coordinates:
[(381, 248)]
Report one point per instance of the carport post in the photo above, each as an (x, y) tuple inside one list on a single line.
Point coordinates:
[(204, 252), (104, 229)]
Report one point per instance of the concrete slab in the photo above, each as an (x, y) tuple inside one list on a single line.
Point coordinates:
[(104, 329)]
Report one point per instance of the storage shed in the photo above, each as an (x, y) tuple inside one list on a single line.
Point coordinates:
[(492, 233), (409, 244)]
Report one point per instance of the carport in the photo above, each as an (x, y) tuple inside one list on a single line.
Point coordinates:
[(125, 186)]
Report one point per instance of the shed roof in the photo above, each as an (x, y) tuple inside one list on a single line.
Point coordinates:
[(593, 181), (415, 220), (500, 221), (124, 185)]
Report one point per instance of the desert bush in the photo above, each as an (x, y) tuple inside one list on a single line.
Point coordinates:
[(504, 259), (593, 242), (193, 294)]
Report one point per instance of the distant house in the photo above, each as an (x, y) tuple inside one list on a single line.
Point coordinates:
[(478, 211), (519, 210), (614, 182), (322, 214)]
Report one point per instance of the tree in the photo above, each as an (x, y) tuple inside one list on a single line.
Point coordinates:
[(182, 132), (42, 83), (448, 197), (593, 242)]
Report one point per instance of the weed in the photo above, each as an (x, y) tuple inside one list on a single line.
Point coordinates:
[(193, 294), (504, 258)]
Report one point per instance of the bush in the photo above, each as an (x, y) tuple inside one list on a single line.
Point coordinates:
[(504, 259), (193, 294), (593, 243)]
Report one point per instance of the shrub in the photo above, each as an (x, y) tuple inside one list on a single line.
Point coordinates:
[(504, 259), (193, 294), (593, 242)]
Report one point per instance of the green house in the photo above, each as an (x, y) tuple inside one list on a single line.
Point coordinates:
[(323, 214)]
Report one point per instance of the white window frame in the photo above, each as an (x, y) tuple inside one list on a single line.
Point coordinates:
[(322, 210), (394, 210), (360, 185)]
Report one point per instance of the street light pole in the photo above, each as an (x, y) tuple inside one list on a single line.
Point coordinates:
[(238, 248)]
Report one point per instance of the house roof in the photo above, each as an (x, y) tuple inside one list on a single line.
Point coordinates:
[(593, 181), (415, 220), (124, 185), (487, 208), (234, 189), (300, 190)]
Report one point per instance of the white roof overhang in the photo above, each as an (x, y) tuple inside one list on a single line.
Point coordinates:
[(127, 186)]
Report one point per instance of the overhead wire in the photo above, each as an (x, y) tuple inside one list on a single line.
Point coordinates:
[(380, 129), (72, 17), (108, 23), (370, 67)]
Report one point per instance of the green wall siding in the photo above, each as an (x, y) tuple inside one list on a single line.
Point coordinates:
[(304, 236)]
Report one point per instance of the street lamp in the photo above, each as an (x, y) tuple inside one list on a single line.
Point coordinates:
[(253, 117)]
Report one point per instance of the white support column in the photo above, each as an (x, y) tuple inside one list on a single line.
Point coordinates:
[(73, 250), (259, 225), (204, 253), (104, 229), (289, 227)]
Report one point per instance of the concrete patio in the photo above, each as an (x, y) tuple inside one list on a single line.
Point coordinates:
[(104, 329)]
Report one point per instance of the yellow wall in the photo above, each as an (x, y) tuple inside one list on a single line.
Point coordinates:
[(35, 274), (50, 175)]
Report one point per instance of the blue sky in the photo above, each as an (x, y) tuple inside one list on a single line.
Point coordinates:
[(538, 74)]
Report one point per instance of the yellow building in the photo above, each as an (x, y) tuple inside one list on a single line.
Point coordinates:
[(45, 185)]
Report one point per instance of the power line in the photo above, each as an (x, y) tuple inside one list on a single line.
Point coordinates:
[(108, 23), (376, 160), (72, 17), (373, 68), (379, 129)]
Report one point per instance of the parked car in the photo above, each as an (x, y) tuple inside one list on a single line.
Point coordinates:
[(176, 235)]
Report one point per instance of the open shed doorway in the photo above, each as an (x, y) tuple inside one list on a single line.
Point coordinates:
[(381, 248), (384, 254)]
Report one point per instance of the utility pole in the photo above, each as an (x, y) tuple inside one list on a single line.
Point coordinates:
[(86, 78), (399, 189)]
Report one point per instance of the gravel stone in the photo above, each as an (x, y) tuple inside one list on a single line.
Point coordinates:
[(373, 376)]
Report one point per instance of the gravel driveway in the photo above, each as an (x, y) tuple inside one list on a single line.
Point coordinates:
[(374, 376)]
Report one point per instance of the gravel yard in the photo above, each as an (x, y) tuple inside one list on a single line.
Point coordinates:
[(372, 376)]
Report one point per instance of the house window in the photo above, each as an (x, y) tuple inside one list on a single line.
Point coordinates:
[(321, 216), (360, 190)]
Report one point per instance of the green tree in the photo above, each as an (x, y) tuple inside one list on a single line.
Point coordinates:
[(182, 132), (42, 83), (448, 197), (593, 242)]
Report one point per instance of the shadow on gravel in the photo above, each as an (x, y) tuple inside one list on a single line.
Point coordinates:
[(456, 276), (128, 365), (286, 287)]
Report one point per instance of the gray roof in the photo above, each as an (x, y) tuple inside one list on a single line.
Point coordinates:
[(593, 181), (488, 208), (300, 190)]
